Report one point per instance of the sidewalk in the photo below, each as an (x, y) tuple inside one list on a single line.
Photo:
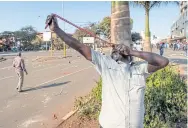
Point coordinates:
[(178, 58)]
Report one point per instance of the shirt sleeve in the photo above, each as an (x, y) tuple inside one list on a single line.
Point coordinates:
[(97, 60), (143, 67)]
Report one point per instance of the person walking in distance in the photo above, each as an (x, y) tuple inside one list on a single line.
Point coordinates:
[(175, 46), (162, 48), (123, 82), (19, 65)]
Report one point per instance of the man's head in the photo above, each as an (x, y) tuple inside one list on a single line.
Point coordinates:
[(20, 54), (121, 52)]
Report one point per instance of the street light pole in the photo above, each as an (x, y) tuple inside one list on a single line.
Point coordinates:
[(64, 45)]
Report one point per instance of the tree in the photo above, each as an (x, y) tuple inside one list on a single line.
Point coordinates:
[(135, 36), (78, 34), (104, 27), (36, 43), (57, 43), (148, 5), (120, 23), (26, 35), (7, 40), (6, 34)]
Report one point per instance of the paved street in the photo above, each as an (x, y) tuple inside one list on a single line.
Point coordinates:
[(50, 88), (178, 58)]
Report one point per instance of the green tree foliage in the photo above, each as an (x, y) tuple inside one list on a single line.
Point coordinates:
[(78, 34), (26, 35), (104, 27), (135, 36), (165, 99), (57, 43), (6, 34)]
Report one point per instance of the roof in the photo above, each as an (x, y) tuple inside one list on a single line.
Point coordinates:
[(178, 38)]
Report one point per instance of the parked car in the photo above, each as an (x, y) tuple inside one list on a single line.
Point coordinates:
[(14, 49)]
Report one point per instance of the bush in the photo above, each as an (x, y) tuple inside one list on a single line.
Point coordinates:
[(90, 105), (165, 100)]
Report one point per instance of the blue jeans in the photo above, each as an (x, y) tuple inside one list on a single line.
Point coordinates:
[(185, 52), (161, 52)]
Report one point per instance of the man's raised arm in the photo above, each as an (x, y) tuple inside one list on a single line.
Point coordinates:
[(155, 61), (70, 41)]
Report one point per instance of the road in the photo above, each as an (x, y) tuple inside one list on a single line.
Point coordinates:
[(50, 88)]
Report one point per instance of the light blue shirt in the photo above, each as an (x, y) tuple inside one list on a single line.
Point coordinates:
[(123, 89)]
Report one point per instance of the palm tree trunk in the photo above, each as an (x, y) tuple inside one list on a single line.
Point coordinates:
[(120, 23), (147, 43)]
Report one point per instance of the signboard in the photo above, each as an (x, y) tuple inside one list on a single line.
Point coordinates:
[(47, 36), (88, 40)]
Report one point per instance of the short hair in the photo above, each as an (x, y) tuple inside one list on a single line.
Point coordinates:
[(19, 54), (113, 46)]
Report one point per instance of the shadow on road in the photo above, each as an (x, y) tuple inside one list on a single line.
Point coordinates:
[(45, 86), (178, 60)]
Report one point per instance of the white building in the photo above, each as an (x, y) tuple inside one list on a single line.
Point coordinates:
[(179, 28)]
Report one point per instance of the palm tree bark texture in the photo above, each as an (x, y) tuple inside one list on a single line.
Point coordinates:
[(120, 23), (147, 44)]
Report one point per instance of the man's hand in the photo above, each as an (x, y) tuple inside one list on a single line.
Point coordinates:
[(123, 49), (69, 40), (52, 22), (26, 72)]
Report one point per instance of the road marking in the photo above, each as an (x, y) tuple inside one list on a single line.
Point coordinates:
[(6, 77), (10, 67), (32, 120), (44, 69), (55, 66), (63, 76), (69, 67), (49, 67), (6, 67)]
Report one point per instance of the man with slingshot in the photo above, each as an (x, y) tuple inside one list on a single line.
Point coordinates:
[(123, 82)]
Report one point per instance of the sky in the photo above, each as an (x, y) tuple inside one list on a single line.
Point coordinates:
[(15, 15)]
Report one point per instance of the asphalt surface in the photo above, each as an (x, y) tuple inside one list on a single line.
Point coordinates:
[(49, 89)]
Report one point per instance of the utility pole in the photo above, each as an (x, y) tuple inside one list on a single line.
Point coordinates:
[(64, 45)]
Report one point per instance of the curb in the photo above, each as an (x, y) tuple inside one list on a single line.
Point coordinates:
[(66, 117)]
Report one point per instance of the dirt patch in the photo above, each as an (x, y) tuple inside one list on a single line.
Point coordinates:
[(75, 122)]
